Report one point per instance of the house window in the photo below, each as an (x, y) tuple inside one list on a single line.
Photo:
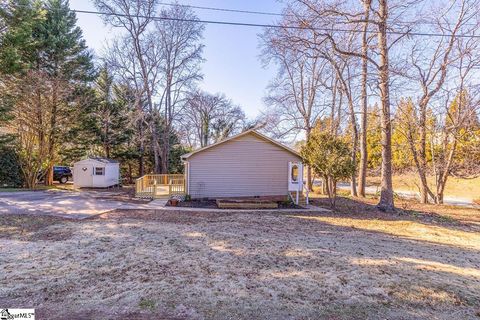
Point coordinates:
[(294, 173), (99, 171)]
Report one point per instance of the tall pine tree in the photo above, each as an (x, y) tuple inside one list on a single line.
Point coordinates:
[(66, 61), (18, 21), (47, 69), (102, 127)]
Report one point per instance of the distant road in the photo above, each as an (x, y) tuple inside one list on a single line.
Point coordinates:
[(456, 201)]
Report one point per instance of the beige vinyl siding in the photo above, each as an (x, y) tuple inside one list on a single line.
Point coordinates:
[(244, 166)]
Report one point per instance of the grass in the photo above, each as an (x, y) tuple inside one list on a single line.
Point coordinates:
[(456, 187), (26, 228), (147, 304), (407, 208), (38, 188), (355, 262)]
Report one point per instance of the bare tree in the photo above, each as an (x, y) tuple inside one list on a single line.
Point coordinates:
[(294, 96), (386, 195), (330, 20), (432, 63), (162, 54), (134, 49), (180, 37), (124, 66), (362, 172), (210, 118)]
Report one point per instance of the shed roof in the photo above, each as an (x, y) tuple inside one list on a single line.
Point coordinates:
[(251, 131), (100, 159)]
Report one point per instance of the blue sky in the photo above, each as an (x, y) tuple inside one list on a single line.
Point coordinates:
[(232, 55)]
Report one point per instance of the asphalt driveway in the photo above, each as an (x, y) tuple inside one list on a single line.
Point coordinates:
[(61, 203)]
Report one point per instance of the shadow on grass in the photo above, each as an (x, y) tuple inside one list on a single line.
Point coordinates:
[(249, 266), (437, 215), (312, 267)]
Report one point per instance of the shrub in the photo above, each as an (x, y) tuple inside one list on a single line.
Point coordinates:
[(329, 157), (10, 172)]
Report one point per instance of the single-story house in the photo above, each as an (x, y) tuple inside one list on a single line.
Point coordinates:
[(249, 164), (96, 173)]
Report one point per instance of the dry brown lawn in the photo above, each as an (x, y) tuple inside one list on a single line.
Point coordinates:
[(354, 263), (456, 187)]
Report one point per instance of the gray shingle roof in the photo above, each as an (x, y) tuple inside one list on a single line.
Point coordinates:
[(104, 160)]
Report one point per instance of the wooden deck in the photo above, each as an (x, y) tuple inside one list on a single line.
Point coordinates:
[(158, 186)]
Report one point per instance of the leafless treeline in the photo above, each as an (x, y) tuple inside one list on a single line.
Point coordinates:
[(160, 59), (337, 57)]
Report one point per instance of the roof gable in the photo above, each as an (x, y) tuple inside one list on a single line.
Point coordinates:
[(252, 132)]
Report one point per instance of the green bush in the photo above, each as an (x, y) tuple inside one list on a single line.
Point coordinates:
[(330, 158), (10, 173)]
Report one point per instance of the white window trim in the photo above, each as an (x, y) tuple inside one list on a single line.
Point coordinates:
[(95, 171), (294, 165)]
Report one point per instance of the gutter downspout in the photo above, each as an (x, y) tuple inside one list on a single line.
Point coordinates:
[(307, 189)]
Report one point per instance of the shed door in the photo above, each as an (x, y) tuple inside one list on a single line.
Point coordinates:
[(84, 176), (295, 176)]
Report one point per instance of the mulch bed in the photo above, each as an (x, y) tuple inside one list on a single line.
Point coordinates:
[(209, 204), (212, 204), (288, 205)]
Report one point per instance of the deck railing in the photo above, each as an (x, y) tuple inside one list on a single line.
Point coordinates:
[(160, 185)]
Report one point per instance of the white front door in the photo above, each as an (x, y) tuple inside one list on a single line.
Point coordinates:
[(295, 176)]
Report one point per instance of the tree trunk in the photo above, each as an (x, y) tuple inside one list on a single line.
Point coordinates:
[(334, 193), (422, 152), (130, 177), (49, 175), (167, 128), (424, 187), (165, 157), (205, 130), (353, 185), (445, 173), (333, 109), (106, 141), (328, 189), (155, 147), (386, 195), (362, 174), (52, 135), (309, 169), (309, 179), (141, 151), (141, 164), (421, 170), (339, 113)]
